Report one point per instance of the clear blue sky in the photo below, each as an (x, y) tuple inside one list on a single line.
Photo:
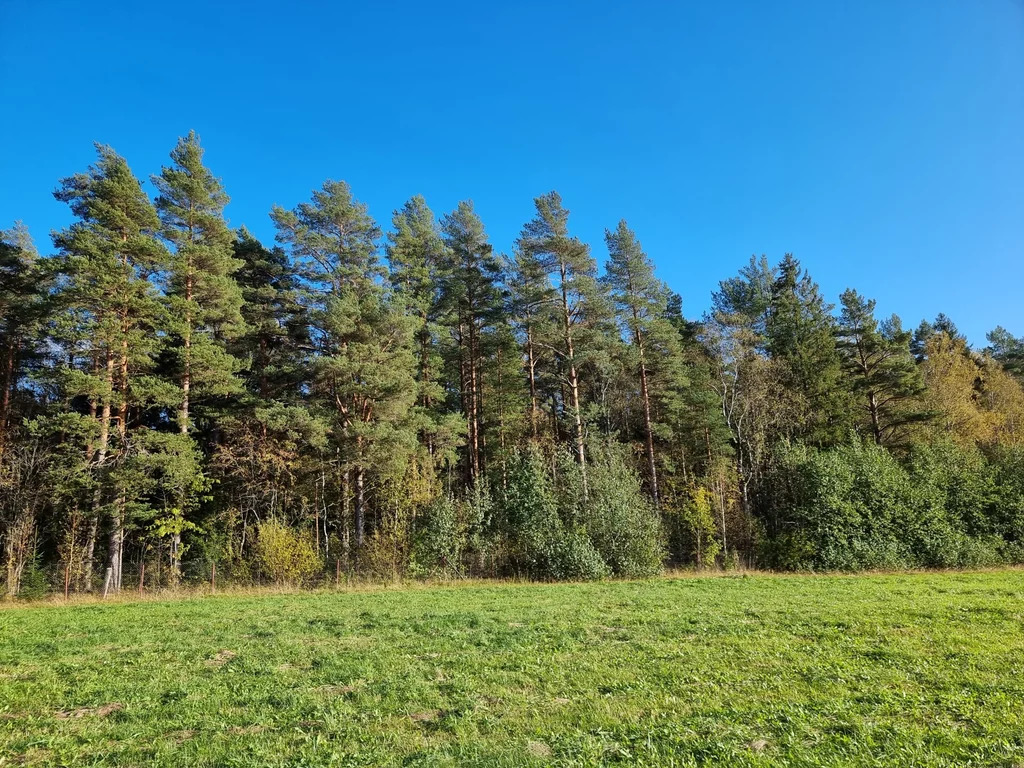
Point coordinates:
[(881, 142)]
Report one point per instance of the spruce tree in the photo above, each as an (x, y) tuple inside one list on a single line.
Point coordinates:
[(24, 285), (418, 256), (1007, 349), (276, 338), (801, 331)]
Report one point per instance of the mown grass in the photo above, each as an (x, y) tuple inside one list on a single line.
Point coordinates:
[(902, 670)]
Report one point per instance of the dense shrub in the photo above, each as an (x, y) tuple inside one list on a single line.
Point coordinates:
[(540, 545), (694, 520), (440, 542), (857, 506), (617, 514), (285, 556), (1007, 513)]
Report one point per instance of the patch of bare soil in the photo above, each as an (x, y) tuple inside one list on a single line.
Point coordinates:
[(101, 711)]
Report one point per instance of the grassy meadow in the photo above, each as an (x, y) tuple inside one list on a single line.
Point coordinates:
[(902, 670)]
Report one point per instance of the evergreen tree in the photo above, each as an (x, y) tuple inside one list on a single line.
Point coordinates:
[(471, 294), (641, 300), (503, 394), (579, 301), (364, 370), (276, 338), (417, 256), (878, 361), (926, 330), (108, 255), (24, 284), (204, 301), (1007, 349), (800, 330), (531, 301)]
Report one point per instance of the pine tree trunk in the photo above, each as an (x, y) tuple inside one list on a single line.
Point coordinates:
[(474, 398), (346, 523), (531, 365), (8, 385), (466, 404), (183, 426), (648, 428), (101, 458), (574, 384), (876, 425), (360, 518), (424, 335), (116, 547), (89, 553)]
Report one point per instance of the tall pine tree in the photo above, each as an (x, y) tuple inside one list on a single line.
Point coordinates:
[(879, 363), (364, 370), (579, 300), (204, 301), (471, 295), (108, 256), (642, 302)]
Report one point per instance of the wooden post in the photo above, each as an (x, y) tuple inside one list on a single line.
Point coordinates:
[(337, 573), (67, 578), (142, 577), (213, 577)]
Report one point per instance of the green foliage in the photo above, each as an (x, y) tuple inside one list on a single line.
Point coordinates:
[(441, 541), (35, 582), (801, 331), (617, 516), (167, 383), (857, 507), (203, 300), (881, 370), (1007, 511), (541, 545), (1007, 349), (697, 516), (641, 301), (285, 555)]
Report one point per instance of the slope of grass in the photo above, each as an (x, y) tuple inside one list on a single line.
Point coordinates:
[(901, 670)]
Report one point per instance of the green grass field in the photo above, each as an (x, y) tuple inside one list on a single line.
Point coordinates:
[(901, 670)]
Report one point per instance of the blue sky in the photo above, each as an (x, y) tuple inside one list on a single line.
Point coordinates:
[(880, 142)]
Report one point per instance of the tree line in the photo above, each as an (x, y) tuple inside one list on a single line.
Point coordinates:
[(180, 398)]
